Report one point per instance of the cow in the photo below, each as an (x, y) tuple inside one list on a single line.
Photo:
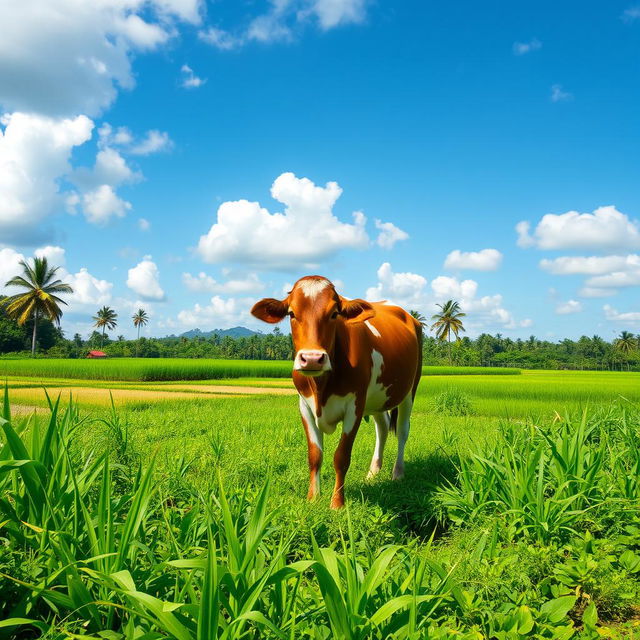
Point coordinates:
[(353, 359)]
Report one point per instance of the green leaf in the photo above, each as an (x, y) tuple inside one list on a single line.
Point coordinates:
[(556, 610)]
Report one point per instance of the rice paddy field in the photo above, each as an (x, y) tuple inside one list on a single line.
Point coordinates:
[(163, 505)]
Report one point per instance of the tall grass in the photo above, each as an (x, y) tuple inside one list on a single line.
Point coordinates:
[(97, 542)]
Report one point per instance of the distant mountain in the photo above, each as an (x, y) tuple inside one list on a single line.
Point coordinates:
[(234, 332)]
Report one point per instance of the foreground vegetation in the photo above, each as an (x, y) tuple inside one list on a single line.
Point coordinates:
[(188, 520)]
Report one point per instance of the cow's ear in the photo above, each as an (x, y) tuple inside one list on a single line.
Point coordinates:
[(356, 310), (270, 310)]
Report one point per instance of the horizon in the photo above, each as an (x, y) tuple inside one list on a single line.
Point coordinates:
[(191, 157)]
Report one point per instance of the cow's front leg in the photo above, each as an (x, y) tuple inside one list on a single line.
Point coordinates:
[(342, 458), (314, 447)]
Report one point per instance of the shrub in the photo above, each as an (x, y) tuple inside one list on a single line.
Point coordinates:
[(452, 402)]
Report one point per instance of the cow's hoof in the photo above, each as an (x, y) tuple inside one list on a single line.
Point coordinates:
[(374, 470), (398, 473), (337, 502)]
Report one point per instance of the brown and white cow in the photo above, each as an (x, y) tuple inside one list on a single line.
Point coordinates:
[(352, 359)]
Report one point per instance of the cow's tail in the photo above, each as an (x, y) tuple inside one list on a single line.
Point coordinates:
[(393, 419)]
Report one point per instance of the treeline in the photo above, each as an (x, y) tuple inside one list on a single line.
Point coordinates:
[(593, 353)]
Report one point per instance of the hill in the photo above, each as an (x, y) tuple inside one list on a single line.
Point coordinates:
[(234, 332)]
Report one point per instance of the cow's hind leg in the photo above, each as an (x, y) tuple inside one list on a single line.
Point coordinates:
[(382, 431), (404, 417)]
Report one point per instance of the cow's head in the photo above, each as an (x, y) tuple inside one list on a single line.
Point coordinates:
[(315, 310)]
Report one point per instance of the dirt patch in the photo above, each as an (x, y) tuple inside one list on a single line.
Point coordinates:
[(120, 396), (221, 388)]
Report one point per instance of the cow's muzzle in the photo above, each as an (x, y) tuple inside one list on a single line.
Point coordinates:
[(312, 363)]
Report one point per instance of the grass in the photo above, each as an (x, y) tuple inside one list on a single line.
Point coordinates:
[(184, 515), (163, 369)]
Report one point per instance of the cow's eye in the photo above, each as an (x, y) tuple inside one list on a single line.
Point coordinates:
[(335, 314)]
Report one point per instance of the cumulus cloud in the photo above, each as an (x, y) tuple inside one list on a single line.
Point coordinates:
[(558, 94), (202, 283), (34, 155), (77, 55), (484, 260), (153, 142), (522, 48), (88, 291), (588, 265), (409, 290), (568, 307), (144, 224), (220, 313), (102, 204), (405, 289), (604, 229), (144, 279), (629, 319), (389, 234), (304, 234), (189, 80), (286, 18)]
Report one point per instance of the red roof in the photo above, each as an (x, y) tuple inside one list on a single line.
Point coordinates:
[(97, 354)]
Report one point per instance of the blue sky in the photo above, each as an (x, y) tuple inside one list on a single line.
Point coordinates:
[(139, 136)]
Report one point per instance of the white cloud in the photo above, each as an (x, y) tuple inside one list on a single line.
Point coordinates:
[(64, 57), (592, 292), (484, 260), (409, 290), (102, 204), (389, 234), (154, 142), (629, 319), (220, 313), (55, 255), (285, 19), (631, 14), (304, 234), (34, 154), (144, 279), (558, 94), (234, 285), (144, 224), (189, 79), (568, 307), (521, 48), (604, 229), (589, 265), (404, 289), (88, 291)]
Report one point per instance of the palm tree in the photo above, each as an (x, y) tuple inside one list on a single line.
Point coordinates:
[(38, 299), (107, 319), (140, 319), (419, 317), (626, 344), (448, 320)]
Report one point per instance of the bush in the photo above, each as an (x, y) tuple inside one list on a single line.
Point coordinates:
[(452, 402)]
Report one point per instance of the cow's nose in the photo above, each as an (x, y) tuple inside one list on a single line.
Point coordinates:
[(312, 360)]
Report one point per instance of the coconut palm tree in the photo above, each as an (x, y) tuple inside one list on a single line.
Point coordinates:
[(106, 318), (448, 320), (626, 343), (39, 298), (419, 317), (140, 319)]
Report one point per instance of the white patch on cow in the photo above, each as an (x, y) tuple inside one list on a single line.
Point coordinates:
[(338, 409), (376, 392), (311, 288), (373, 330)]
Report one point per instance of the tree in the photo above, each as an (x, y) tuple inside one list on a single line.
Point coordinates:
[(626, 344), (447, 320), (140, 319), (106, 318), (39, 298), (418, 316)]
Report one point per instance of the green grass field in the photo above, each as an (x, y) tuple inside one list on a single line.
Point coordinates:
[(516, 519), (158, 369)]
